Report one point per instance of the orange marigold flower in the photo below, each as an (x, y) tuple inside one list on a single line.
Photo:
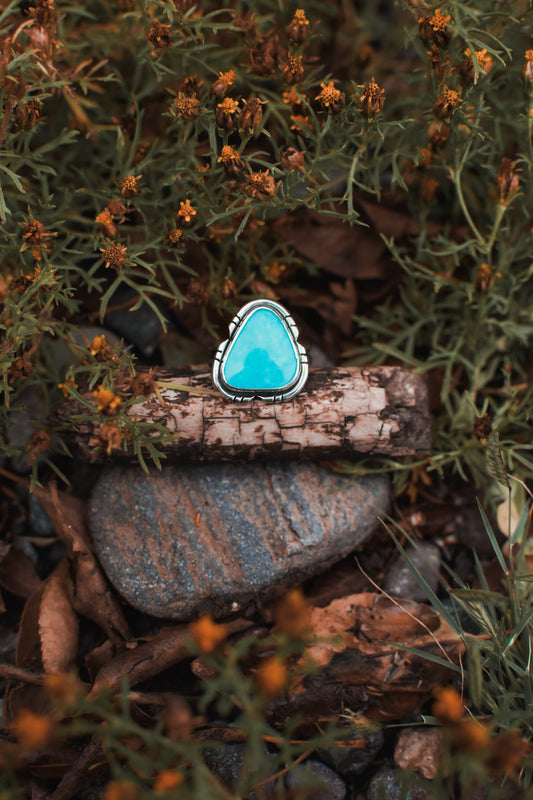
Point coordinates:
[(507, 752), (300, 122), (448, 706), (297, 27), (106, 400), (174, 238), (293, 71), (292, 97), (100, 348), (484, 60), (122, 790), (105, 219), (167, 780), (330, 98), (208, 634), (231, 160), (67, 386), (34, 233), (470, 736), (227, 113), (115, 255), (186, 213), (435, 29), (371, 99), (271, 677), (447, 102), (186, 107), (261, 185), (292, 613), (65, 687), (32, 730), (222, 83), (483, 280), (129, 186)]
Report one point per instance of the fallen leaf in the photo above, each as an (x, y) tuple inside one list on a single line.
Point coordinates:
[(17, 574)]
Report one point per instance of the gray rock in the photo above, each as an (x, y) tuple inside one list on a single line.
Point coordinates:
[(39, 519), (321, 782), (141, 328), (400, 581), (352, 761), (227, 761), (212, 538), (395, 784)]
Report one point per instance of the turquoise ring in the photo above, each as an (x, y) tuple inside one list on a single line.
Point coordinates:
[(262, 357)]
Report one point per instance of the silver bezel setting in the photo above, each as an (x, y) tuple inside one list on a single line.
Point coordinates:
[(274, 395)]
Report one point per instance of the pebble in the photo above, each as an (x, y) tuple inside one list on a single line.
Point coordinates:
[(395, 784), (141, 328), (214, 538), (325, 783), (352, 761), (39, 520), (419, 749), (400, 581)]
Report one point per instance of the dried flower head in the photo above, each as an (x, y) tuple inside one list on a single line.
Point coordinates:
[(508, 181), (435, 29), (483, 280), (129, 186), (507, 752), (297, 27), (167, 780), (117, 209), (109, 438), (67, 386), (231, 161), (274, 272), (190, 86), (264, 56), (34, 232), (106, 400), (44, 14), (40, 442), (483, 60), (482, 427), (470, 736), (105, 219), (261, 185), (271, 677), (21, 368), (220, 86), (28, 113), (227, 114), (174, 238), (186, 213), (197, 293), (251, 114), (159, 35), (115, 255), (143, 384), (447, 102), (528, 67), (208, 634), (292, 159), (371, 99), (32, 731), (438, 135), (330, 98), (293, 70), (186, 107)]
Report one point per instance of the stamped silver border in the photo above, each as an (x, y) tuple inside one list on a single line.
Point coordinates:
[(242, 395)]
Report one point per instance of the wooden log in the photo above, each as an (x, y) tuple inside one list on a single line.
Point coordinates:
[(340, 413)]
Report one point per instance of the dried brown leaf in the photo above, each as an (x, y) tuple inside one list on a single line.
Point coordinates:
[(17, 574)]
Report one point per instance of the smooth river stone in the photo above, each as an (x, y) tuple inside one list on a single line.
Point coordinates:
[(212, 538)]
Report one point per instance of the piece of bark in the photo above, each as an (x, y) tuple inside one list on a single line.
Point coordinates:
[(338, 414)]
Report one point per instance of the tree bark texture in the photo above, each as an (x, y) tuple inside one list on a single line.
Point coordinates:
[(339, 413)]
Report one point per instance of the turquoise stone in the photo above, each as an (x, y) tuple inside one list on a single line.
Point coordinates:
[(262, 355)]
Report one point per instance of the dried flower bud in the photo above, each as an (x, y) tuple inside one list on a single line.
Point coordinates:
[(143, 384), (227, 114), (231, 161), (159, 35), (142, 151), (292, 159), (371, 99), (186, 107), (330, 98), (293, 71), (105, 219), (186, 213), (251, 114), (264, 56), (261, 185), (220, 87), (197, 293), (20, 369), (182, 6), (40, 442), (528, 67), (435, 29), (447, 102), (482, 428), (190, 86), (297, 27), (109, 438), (28, 114), (129, 186), (174, 238), (44, 14), (508, 181), (100, 348), (229, 288), (115, 255), (117, 209)]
